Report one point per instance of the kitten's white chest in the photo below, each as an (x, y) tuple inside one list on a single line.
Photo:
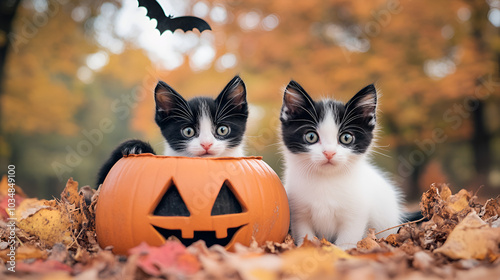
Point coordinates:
[(328, 201), (340, 207)]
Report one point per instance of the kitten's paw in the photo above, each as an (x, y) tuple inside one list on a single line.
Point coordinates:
[(135, 147)]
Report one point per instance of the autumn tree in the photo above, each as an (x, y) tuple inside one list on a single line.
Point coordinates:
[(435, 64), (436, 68)]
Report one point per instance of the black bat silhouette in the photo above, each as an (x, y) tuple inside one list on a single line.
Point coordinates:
[(186, 23)]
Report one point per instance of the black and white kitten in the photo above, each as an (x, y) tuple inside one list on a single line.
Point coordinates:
[(199, 127), (333, 189)]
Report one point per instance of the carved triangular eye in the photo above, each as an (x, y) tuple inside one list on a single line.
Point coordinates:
[(226, 202), (172, 204)]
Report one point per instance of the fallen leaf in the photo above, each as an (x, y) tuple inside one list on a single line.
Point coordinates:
[(49, 224), (4, 188), (471, 239), (490, 209), (6, 198), (312, 262), (444, 192), (41, 266), (170, 257), (459, 202), (438, 200), (70, 193), (24, 252), (368, 243), (30, 206)]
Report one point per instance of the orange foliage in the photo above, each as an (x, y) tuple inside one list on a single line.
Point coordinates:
[(402, 36)]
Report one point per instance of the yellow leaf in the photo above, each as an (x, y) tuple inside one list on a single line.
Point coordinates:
[(444, 192), (4, 188), (46, 221), (24, 252), (310, 262), (459, 201), (30, 206)]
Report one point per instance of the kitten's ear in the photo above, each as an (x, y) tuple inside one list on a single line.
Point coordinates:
[(234, 93), (295, 99), (166, 97), (365, 101)]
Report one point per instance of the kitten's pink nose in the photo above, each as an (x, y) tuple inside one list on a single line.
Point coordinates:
[(329, 155), (206, 146)]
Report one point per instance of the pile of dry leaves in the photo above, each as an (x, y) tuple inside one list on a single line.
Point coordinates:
[(56, 239)]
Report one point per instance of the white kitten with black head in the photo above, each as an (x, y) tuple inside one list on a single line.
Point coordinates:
[(199, 127), (333, 189), (202, 126)]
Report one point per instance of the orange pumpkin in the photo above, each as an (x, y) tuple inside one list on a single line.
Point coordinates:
[(220, 200)]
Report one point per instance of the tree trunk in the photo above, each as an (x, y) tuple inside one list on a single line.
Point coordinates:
[(481, 143), (8, 11), (481, 138)]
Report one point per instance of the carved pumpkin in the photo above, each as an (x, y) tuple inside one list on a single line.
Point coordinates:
[(220, 200)]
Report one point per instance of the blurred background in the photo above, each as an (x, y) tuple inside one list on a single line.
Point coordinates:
[(77, 78)]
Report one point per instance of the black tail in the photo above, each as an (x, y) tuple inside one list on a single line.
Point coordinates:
[(125, 148), (414, 216)]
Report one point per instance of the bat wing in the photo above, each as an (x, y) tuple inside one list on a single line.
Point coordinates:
[(186, 23), (154, 11)]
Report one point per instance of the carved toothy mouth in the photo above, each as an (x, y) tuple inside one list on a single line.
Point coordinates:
[(208, 236)]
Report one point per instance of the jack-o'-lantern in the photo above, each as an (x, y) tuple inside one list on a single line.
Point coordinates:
[(219, 200)]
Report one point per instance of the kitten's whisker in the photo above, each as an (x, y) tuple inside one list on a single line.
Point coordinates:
[(303, 120), (314, 116), (354, 128), (187, 108), (228, 116), (380, 153), (351, 119), (227, 105), (353, 101), (304, 126), (380, 148)]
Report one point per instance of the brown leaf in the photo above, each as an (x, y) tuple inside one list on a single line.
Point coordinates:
[(87, 193), (490, 209), (439, 201), (471, 239), (70, 193), (369, 242)]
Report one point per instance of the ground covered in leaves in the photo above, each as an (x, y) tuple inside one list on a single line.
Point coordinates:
[(55, 239)]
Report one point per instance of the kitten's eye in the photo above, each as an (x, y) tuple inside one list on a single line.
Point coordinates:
[(223, 130), (346, 138), (311, 137), (188, 132)]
